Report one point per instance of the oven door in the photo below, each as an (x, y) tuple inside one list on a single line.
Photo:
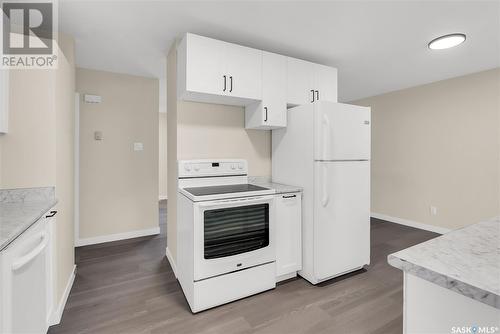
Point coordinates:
[(232, 234)]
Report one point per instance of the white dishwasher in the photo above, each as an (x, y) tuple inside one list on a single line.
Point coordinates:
[(24, 281)]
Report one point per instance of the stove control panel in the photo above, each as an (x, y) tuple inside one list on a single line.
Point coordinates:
[(212, 168)]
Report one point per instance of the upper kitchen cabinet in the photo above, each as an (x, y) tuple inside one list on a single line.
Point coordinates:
[(4, 101), (270, 113), (325, 83), (300, 81), (244, 71), (200, 66), (309, 82), (213, 71)]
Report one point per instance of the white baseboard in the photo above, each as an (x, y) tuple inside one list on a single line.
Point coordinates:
[(170, 259), (56, 315), (117, 236), (162, 197), (286, 277), (406, 222)]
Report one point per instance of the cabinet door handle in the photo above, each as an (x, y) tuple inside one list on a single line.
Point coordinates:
[(224, 83), (312, 91), (231, 81), (51, 214), (317, 95), (289, 196), (21, 262), (265, 110)]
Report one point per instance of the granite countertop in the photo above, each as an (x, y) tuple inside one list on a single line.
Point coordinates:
[(466, 261), (21, 208), (278, 187)]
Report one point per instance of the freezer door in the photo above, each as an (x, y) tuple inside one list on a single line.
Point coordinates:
[(341, 217), (342, 131)]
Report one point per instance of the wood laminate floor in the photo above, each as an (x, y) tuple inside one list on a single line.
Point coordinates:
[(129, 287)]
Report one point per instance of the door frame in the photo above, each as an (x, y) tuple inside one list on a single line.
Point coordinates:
[(76, 217)]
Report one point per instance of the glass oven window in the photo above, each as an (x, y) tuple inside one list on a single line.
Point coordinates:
[(235, 230)]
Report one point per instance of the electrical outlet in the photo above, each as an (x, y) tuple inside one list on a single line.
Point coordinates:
[(433, 210)]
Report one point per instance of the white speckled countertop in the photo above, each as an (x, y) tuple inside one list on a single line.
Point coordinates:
[(21, 208), (466, 261), (267, 183)]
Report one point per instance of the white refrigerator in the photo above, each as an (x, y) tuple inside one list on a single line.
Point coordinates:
[(325, 149)]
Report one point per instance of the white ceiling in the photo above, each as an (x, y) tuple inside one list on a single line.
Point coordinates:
[(376, 46)]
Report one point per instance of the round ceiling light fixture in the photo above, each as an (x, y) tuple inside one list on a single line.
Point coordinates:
[(447, 41)]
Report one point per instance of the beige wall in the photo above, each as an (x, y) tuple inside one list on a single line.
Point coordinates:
[(65, 167), (217, 131), (38, 150), (118, 186), (202, 130), (28, 150), (162, 179), (438, 145)]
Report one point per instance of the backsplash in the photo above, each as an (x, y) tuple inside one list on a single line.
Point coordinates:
[(259, 179), (27, 195)]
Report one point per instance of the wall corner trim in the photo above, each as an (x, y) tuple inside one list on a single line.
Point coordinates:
[(118, 236), (170, 259), (55, 317), (406, 222)]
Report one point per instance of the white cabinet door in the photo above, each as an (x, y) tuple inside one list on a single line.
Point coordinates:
[(274, 89), (288, 233), (213, 71), (300, 81), (309, 82), (24, 282), (270, 113), (244, 71), (50, 221), (325, 83), (201, 66)]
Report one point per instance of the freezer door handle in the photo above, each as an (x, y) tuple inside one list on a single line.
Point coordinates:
[(326, 136), (326, 197)]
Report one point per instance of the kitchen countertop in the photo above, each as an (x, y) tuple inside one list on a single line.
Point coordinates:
[(21, 208), (466, 261), (278, 187)]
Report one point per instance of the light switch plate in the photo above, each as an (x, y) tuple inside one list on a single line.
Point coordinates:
[(88, 98), (98, 135), (138, 146)]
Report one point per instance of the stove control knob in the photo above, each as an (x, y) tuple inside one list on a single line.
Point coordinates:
[(240, 166), (233, 166), (196, 168), (187, 168)]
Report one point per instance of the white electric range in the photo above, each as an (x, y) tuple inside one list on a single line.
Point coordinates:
[(225, 233)]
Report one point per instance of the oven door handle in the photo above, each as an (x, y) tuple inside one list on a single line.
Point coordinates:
[(248, 200)]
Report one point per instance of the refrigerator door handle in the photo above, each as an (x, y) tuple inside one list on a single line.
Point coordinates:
[(326, 136), (325, 198)]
